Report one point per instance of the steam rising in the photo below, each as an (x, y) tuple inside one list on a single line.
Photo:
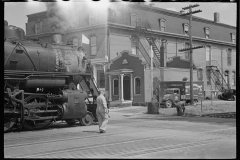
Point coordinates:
[(68, 15), (63, 15)]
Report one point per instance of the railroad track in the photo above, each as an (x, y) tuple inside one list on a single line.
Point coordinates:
[(115, 149), (221, 115), (125, 140)]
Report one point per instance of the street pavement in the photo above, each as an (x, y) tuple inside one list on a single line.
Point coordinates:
[(131, 133)]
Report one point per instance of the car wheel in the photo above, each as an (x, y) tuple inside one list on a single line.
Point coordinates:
[(168, 104)]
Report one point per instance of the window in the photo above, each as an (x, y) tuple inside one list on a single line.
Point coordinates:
[(208, 53), (100, 79), (75, 42), (207, 32), (176, 91), (137, 85), (208, 72), (92, 19), (162, 25), (115, 87), (229, 57), (185, 29), (218, 77), (187, 53), (233, 37), (134, 18), (200, 74), (93, 45), (38, 27), (226, 76), (233, 78), (111, 15), (134, 45)]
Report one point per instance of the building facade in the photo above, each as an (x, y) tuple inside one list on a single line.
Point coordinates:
[(114, 35)]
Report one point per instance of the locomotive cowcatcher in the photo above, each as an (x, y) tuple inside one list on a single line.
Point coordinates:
[(44, 82)]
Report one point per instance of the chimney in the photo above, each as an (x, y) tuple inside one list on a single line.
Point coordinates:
[(57, 38), (216, 17)]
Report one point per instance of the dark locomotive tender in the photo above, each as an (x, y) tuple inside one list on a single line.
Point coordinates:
[(44, 83)]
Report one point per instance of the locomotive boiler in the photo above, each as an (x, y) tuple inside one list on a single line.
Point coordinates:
[(45, 82)]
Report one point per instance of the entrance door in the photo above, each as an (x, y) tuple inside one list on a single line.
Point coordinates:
[(126, 88)]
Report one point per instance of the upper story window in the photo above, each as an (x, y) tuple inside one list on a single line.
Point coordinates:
[(137, 85), (134, 18), (207, 32), (186, 29), (93, 42), (187, 53), (38, 26), (134, 44), (229, 57), (92, 19), (111, 15), (162, 25), (208, 53), (233, 37)]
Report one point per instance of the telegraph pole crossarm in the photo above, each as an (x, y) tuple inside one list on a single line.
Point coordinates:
[(187, 49), (191, 48)]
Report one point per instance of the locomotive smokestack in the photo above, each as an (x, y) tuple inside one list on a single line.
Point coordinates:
[(57, 38)]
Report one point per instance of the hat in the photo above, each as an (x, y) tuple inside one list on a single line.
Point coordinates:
[(102, 91)]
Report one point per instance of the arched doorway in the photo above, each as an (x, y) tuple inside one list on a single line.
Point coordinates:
[(126, 87)]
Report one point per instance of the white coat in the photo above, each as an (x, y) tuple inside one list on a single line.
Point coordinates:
[(102, 112)]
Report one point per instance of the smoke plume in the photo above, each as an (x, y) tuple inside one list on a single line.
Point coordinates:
[(63, 16)]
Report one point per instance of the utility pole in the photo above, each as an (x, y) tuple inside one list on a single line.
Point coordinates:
[(190, 39)]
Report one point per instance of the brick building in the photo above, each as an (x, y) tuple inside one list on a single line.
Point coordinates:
[(118, 39)]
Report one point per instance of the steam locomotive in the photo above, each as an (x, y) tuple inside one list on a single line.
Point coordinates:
[(44, 82)]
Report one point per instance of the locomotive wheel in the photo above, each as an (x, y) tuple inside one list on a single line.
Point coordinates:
[(168, 104), (9, 123), (32, 124), (87, 120)]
